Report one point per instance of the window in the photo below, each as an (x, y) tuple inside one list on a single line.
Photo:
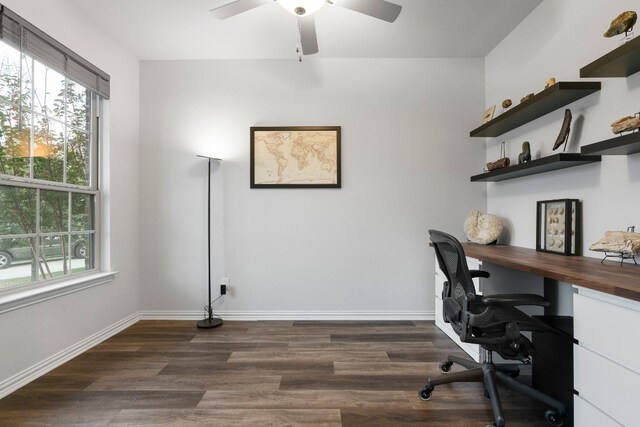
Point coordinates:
[(49, 192)]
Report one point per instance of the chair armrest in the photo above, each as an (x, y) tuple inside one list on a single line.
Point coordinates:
[(479, 273), (511, 300)]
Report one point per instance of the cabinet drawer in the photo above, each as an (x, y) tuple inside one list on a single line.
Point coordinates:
[(606, 385), (608, 329), (586, 415)]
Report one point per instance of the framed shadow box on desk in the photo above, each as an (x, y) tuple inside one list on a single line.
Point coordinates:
[(606, 318)]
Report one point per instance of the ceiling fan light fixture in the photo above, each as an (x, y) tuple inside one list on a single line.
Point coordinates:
[(301, 7)]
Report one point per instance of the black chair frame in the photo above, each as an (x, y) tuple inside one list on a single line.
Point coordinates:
[(493, 322)]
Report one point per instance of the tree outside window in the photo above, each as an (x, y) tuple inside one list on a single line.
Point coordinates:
[(48, 185)]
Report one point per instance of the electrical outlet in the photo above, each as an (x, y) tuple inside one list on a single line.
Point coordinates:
[(224, 281), (224, 285), (223, 289)]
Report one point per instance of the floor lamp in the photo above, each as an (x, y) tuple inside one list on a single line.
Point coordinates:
[(210, 321)]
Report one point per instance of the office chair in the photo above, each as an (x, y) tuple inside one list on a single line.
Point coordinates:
[(493, 322)]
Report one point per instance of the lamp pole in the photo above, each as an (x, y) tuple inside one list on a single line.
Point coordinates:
[(209, 321)]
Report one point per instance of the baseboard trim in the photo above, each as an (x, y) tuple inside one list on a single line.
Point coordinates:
[(290, 315), (23, 378)]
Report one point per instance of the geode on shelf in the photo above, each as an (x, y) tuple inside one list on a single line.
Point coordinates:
[(482, 228)]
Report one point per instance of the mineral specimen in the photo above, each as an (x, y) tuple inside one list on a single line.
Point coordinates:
[(482, 228), (550, 82), (527, 97), (626, 124), (622, 242), (623, 23)]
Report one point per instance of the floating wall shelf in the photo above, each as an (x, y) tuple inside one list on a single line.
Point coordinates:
[(620, 145), (620, 62), (545, 164), (550, 99)]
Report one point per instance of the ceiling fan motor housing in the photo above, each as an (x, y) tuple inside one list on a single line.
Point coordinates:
[(301, 7)]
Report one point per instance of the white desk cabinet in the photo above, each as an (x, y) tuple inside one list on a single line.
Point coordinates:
[(472, 350), (606, 362)]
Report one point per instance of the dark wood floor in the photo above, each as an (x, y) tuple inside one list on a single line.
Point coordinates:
[(270, 373)]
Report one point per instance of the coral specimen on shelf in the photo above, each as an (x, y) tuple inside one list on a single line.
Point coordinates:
[(482, 228)]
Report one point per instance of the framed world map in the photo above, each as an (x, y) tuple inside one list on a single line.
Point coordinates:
[(295, 157)]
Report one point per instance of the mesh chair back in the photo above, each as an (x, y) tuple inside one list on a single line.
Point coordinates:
[(452, 261)]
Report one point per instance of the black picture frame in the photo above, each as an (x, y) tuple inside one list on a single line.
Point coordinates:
[(324, 165), (558, 226)]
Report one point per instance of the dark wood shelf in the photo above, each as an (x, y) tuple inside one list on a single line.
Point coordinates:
[(545, 164), (550, 99), (618, 146), (620, 62)]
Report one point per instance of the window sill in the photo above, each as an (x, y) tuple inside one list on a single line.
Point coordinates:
[(26, 297)]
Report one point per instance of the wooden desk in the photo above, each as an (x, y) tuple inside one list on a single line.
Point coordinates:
[(606, 312), (608, 277)]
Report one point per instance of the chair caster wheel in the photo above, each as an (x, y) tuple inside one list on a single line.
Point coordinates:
[(554, 417), (425, 393), (445, 366)]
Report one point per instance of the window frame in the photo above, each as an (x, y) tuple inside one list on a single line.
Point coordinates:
[(24, 37)]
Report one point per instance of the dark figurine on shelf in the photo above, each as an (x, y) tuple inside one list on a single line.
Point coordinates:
[(563, 136), (525, 156)]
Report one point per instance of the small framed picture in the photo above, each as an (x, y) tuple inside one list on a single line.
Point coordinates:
[(558, 226), (488, 114)]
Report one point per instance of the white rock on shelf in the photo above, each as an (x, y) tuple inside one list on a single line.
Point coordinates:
[(482, 228)]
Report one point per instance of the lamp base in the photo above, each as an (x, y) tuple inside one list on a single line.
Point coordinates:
[(209, 323)]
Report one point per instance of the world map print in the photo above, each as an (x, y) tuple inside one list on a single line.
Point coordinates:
[(300, 157)]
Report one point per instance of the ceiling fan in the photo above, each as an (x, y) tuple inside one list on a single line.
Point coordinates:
[(304, 10)]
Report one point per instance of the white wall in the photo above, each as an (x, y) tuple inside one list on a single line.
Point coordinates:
[(557, 39), (362, 249), (33, 334)]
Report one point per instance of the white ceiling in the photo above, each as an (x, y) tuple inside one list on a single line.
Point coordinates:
[(184, 29)]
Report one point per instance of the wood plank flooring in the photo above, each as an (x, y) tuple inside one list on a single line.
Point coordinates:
[(269, 373)]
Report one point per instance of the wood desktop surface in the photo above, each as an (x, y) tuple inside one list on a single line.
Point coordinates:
[(609, 277)]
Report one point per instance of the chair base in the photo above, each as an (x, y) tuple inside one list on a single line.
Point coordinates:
[(491, 375)]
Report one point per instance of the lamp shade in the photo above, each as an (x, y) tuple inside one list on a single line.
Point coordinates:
[(301, 7)]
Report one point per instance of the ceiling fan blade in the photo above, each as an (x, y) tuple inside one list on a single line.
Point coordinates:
[(235, 7), (308, 36), (380, 9)]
